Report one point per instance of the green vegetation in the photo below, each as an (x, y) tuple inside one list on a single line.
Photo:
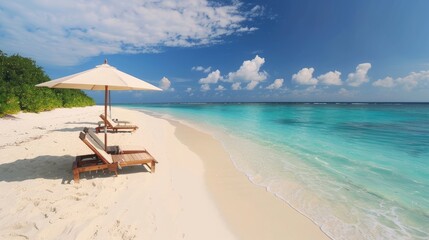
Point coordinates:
[(18, 77)]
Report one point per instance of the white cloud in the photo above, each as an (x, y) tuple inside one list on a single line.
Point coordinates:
[(189, 91), (305, 77), (360, 76), (256, 11), (205, 87), (247, 29), (411, 81), (66, 32), (236, 86), (252, 85), (249, 71), (164, 83), (212, 78), (220, 88), (415, 79), (330, 78), (278, 83), (198, 68), (387, 82), (202, 69)]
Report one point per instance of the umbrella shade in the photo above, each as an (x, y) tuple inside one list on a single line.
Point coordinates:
[(102, 77), (98, 78)]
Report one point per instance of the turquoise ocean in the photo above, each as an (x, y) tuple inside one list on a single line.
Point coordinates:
[(359, 171)]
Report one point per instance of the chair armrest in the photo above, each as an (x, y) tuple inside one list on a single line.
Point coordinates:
[(123, 122)]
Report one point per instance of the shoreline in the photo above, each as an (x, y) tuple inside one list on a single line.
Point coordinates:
[(252, 211), (196, 192)]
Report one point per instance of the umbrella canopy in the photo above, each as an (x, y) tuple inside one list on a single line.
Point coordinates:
[(102, 77), (98, 78)]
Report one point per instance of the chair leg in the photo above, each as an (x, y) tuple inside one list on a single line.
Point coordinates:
[(152, 167), (114, 168), (76, 177), (75, 172)]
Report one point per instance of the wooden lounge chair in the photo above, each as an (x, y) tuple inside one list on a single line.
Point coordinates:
[(102, 160), (115, 126), (101, 123)]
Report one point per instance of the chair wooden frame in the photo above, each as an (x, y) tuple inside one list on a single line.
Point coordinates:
[(115, 126), (101, 160)]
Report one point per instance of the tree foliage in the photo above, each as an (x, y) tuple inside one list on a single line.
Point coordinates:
[(18, 77)]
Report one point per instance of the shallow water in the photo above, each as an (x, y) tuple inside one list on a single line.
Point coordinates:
[(358, 171)]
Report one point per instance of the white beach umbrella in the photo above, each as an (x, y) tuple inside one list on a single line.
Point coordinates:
[(102, 77)]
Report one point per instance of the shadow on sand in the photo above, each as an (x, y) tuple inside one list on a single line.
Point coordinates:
[(75, 129), (53, 167), (83, 123)]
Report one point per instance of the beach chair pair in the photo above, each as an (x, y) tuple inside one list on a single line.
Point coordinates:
[(115, 157), (115, 126)]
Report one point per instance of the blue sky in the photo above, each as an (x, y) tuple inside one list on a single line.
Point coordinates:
[(306, 50)]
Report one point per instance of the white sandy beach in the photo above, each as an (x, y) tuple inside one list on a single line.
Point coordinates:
[(195, 193)]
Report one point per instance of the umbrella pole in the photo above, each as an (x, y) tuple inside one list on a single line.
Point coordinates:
[(110, 105), (106, 88)]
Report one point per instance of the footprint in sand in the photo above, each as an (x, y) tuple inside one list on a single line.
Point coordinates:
[(82, 194), (94, 235), (94, 206), (17, 236), (53, 209), (75, 198), (24, 226), (123, 232)]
